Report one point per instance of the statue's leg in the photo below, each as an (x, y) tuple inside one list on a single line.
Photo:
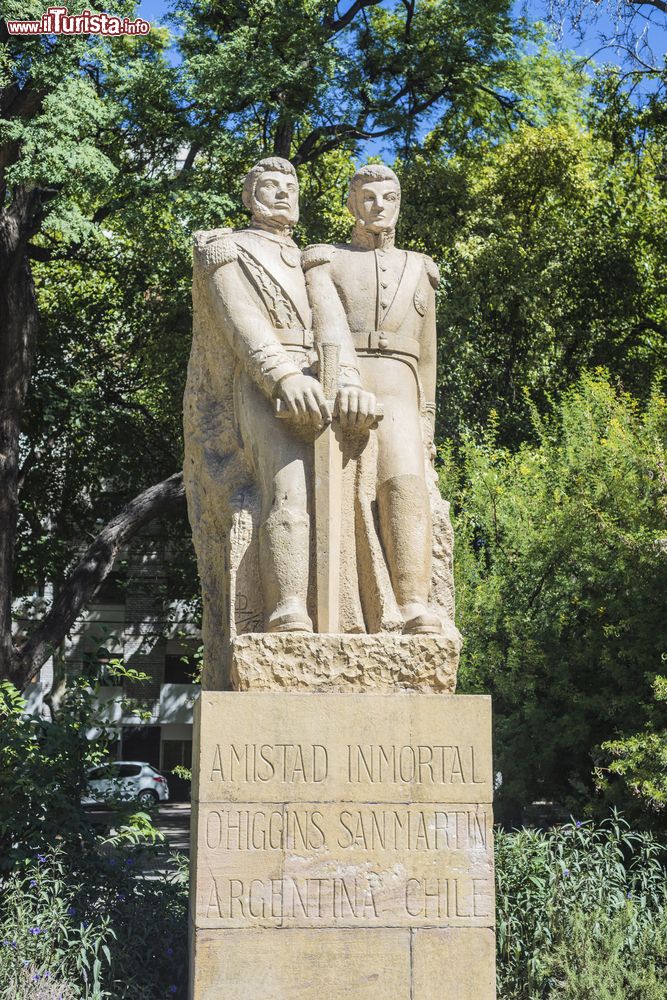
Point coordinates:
[(279, 460), (402, 495)]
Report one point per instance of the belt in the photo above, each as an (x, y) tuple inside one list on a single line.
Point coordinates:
[(295, 338), (382, 342)]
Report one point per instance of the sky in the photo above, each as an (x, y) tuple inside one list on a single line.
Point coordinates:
[(154, 10), (585, 43)]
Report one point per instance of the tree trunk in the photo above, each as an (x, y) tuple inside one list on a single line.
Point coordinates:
[(18, 333), (282, 142), (83, 582)]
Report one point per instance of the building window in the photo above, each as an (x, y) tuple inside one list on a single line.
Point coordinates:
[(175, 753), (179, 668)]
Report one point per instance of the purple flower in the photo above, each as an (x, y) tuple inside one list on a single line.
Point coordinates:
[(71, 911), (35, 930), (173, 988), (35, 977), (41, 858), (578, 824), (33, 883), (129, 861), (112, 862), (121, 897), (566, 871), (170, 951)]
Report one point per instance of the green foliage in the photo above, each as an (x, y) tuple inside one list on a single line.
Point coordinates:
[(581, 912), (551, 242), (94, 925), (641, 759), (561, 576), (43, 769)]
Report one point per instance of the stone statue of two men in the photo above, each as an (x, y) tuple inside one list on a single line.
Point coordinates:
[(256, 407)]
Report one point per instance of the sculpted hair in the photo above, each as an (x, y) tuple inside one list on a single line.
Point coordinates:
[(251, 178), (371, 172)]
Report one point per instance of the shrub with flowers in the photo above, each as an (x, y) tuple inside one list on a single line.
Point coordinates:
[(88, 926), (581, 912)]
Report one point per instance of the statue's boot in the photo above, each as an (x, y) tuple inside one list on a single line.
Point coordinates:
[(405, 528), (284, 543)]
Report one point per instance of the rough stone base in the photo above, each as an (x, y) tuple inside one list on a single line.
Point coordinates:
[(379, 662), (342, 847)]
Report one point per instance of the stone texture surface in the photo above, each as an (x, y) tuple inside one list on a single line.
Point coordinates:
[(454, 964), (378, 662), (340, 748), (326, 964), (342, 846)]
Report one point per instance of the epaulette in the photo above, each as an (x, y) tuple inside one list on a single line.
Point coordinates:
[(213, 248), (432, 271), (318, 253)]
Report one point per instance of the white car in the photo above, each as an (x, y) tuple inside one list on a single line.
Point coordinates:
[(125, 780)]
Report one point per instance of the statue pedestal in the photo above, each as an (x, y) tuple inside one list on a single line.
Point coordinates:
[(342, 846)]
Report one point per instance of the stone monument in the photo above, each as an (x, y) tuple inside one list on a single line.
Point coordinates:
[(342, 838)]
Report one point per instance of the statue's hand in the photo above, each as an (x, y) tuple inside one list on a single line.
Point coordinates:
[(356, 408), (304, 399)]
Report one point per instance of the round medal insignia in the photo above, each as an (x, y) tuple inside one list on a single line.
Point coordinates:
[(420, 302)]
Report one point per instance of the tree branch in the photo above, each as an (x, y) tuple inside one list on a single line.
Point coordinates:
[(85, 579), (658, 4), (351, 13)]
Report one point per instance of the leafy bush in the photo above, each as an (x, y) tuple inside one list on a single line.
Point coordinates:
[(93, 927), (581, 912), (43, 774), (561, 576), (79, 918)]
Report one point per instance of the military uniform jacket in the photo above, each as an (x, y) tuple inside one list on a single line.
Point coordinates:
[(256, 290), (397, 319)]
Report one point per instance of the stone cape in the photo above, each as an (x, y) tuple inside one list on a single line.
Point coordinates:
[(223, 502)]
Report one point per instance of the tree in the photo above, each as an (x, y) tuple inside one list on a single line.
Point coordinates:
[(91, 134), (561, 576), (72, 147), (551, 239)]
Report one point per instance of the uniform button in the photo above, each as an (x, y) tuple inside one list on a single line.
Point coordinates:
[(384, 303), (382, 343), (384, 284)]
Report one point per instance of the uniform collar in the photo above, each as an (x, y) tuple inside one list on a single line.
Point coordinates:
[(372, 241), (277, 234)]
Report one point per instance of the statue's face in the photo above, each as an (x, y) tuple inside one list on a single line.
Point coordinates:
[(276, 198), (377, 205)]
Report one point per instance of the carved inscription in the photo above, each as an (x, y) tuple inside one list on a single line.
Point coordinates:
[(293, 763), (423, 764), (362, 811), (372, 828), (262, 762), (350, 899), (344, 863)]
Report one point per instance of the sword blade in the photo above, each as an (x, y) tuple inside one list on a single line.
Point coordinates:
[(328, 526)]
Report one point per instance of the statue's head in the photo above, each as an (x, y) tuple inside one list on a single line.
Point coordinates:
[(271, 192), (375, 198)]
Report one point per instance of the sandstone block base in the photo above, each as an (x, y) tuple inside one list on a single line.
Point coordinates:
[(342, 847), (330, 964), (378, 662)]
